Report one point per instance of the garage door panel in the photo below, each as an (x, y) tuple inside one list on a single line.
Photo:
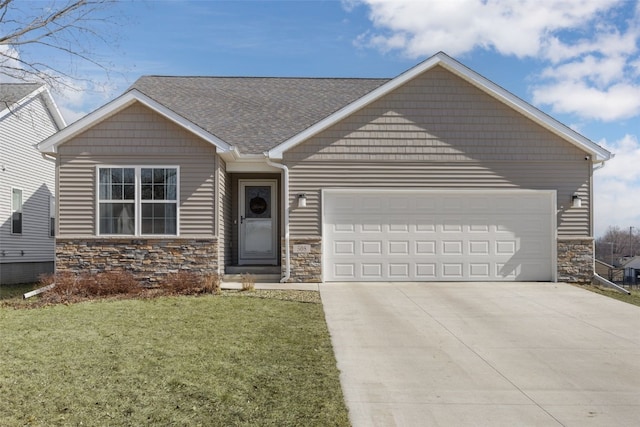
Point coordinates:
[(425, 247), (480, 271), (398, 271), (344, 271), (452, 270), (371, 270), (479, 247), (369, 247), (344, 247), (398, 247), (458, 236)]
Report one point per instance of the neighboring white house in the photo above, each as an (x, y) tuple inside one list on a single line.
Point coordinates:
[(28, 115)]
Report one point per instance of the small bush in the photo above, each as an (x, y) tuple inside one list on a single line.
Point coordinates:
[(70, 286), (211, 283), (186, 282), (248, 282)]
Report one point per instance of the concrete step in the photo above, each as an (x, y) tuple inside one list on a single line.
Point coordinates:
[(253, 269), (260, 278)]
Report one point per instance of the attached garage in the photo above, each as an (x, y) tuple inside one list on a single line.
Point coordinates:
[(433, 235)]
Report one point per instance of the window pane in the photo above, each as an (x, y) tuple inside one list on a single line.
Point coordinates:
[(117, 218), (159, 218), (16, 211), (146, 176), (158, 176), (171, 192), (17, 200), (16, 223), (129, 192), (158, 192), (116, 175), (116, 192), (129, 176), (105, 192)]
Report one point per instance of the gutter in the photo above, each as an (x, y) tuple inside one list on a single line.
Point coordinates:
[(287, 209)]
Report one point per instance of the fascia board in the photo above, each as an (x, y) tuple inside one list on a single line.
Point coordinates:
[(600, 154), (22, 101), (58, 118), (50, 145)]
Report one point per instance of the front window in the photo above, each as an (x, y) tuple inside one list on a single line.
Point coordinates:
[(159, 194), (134, 201), (16, 211)]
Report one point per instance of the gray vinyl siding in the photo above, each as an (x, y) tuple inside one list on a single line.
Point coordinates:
[(23, 167), (136, 136), (438, 131)]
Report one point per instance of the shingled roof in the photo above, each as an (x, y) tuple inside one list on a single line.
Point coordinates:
[(10, 93), (252, 113)]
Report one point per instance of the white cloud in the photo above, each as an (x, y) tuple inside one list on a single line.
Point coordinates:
[(616, 186), (615, 102), (590, 47), (521, 28)]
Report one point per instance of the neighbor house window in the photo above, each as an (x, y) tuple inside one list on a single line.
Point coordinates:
[(52, 216), (16, 211), (138, 201)]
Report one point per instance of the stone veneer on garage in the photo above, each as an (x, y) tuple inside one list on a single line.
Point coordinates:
[(306, 266), (147, 259), (575, 260)]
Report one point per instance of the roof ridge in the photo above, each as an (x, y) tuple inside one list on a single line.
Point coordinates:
[(263, 77)]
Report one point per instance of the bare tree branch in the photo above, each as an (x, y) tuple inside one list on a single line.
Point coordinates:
[(48, 41)]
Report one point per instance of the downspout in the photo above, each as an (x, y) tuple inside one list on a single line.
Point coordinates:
[(287, 208)]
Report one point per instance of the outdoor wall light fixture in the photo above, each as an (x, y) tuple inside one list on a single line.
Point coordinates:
[(576, 201), (302, 200)]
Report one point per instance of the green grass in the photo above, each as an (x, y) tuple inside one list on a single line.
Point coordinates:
[(183, 361), (634, 298), (14, 291)]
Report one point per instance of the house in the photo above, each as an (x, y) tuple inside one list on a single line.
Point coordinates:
[(632, 271), (435, 175), (28, 115)]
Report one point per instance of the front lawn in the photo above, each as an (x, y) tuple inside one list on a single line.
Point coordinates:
[(634, 298), (212, 360)]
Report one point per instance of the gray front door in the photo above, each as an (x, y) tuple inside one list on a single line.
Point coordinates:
[(258, 213)]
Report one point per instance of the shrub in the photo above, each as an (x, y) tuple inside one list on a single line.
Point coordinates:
[(186, 282), (70, 286), (248, 281), (211, 283)]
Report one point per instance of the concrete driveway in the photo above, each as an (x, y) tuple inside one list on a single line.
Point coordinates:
[(484, 354)]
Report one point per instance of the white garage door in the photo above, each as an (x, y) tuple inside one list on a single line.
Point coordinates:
[(416, 235)]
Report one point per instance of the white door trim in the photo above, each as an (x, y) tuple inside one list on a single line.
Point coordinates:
[(269, 257)]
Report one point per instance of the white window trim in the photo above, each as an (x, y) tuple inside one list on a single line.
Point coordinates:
[(21, 211), (137, 200)]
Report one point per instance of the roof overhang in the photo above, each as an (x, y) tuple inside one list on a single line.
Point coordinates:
[(598, 154), (51, 144)]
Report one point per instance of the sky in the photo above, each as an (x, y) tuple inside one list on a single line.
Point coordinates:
[(576, 60)]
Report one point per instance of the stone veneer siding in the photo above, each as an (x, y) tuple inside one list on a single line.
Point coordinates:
[(575, 260), (306, 267), (147, 259)]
